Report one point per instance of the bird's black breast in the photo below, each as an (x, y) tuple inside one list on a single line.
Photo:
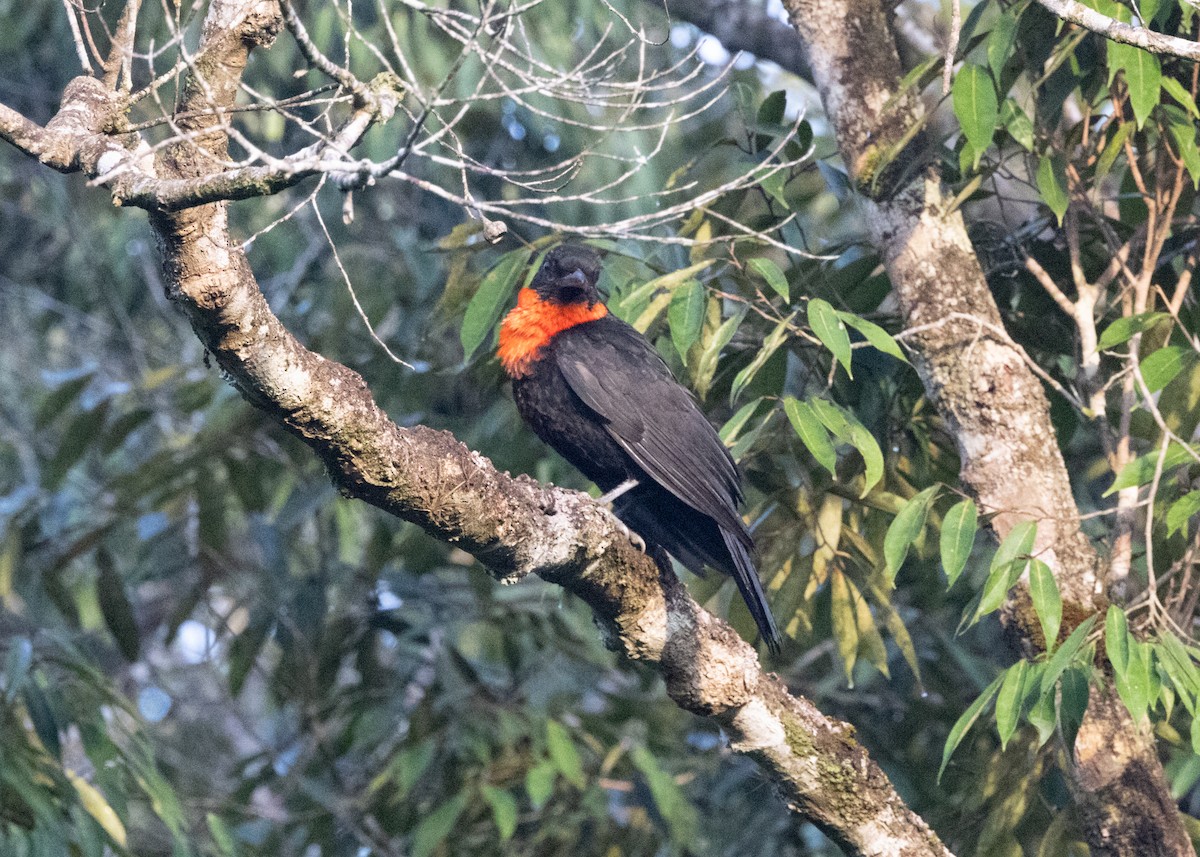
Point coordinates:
[(560, 418)]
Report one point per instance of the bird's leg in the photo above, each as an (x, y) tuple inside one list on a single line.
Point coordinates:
[(607, 499), (609, 496)]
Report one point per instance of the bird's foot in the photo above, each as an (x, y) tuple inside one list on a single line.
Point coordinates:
[(634, 539)]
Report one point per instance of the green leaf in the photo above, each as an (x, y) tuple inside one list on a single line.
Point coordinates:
[(846, 428), (1052, 185), (770, 345), (115, 606), (1009, 701), (564, 755), (1016, 545), (843, 612), (874, 334), (1143, 77), (831, 330), (1114, 147), (1042, 713), (904, 530), (966, 721), (1181, 511), (812, 432), (1073, 703), (1047, 601), (222, 838), (1000, 579), (1140, 471), (1175, 89), (686, 316), (484, 309), (730, 431), (1124, 328), (435, 827), (770, 272), (1183, 133), (975, 105), (1017, 123), (504, 810), (670, 801), (1062, 658), (1160, 367), (539, 782), (706, 366), (958, 537), (1116, 639), (42, 715), (243, 651), (1000, 42)]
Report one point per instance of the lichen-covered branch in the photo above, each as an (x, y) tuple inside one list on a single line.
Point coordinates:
[(515, 526), (1141, 37), (992, 404)]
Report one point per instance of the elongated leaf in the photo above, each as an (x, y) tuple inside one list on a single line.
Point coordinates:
[(1161, 366), (831, 330), (672, 804), (1112, 149), (958, 537), (435, 827), (1175, 89), (1116, 639), (1017, 123), (1062, 658), (484, 309), (1009, 701), (846, 428), (975, 106), (564, 755), (904, 530), (770, 345), (874, 334), (1000, 42), (1182, 511), (1073, 702), (1143, 77), (845, 626), (1183, 134), (1140, 471), (1017, 544), (539, 782), (686, 316), (1047, 601), (966, 721), (730, 431), (1121, 330), (706, 366), (115, 606), (770, 272), (1052, 185), (504, 810), (98, 807), (812, 432)]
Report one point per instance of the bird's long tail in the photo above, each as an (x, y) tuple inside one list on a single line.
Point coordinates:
[(746, 578)]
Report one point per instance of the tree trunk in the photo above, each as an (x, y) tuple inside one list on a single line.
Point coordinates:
[(992, 404)]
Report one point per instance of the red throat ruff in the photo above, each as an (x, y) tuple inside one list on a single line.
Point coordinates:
[(532, 323)]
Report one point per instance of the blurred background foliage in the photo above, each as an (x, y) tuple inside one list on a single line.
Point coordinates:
[(204, 650)]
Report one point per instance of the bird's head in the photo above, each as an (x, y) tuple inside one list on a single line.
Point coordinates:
[(568, 276)]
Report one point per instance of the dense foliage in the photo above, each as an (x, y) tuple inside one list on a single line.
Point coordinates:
[(204, 650)]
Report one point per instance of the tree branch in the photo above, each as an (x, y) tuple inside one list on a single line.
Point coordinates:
[(1127, 34), (515, 526), (743, 26)]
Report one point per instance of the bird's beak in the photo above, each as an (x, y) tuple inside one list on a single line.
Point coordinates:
[(575, 278)]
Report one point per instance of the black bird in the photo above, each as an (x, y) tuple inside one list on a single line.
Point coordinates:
[(598, 392)]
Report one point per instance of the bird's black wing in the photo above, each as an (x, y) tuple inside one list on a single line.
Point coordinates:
[(620, 376)]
